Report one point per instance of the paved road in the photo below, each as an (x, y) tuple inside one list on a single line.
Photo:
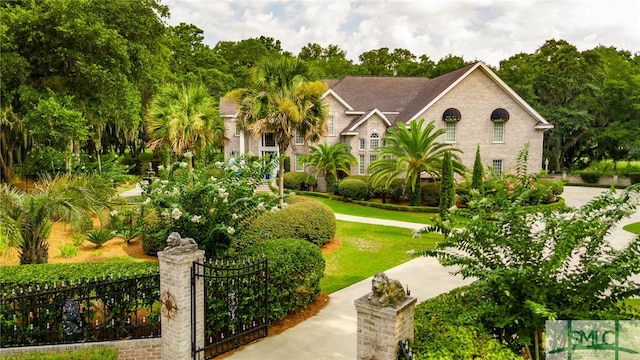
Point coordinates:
[(332, 333)]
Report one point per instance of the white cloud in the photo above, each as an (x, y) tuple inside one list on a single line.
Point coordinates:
[(489, 30)]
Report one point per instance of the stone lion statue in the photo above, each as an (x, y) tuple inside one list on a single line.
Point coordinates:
[(385, 291), (178, 244)]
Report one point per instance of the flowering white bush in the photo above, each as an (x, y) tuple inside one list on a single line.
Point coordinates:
[(211, 204)]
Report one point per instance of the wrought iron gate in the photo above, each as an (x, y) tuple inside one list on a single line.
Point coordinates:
[(235, 305)]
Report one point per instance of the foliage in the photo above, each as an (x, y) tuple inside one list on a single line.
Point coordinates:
[(28, 215), (89, 66), (91, 353), (354, 189), (295, 270), (634, 177), (99, 236), (477, 181), (590, 177), (447, 187), (68, 251), (430, 192), (451, 326), (41, 274), (282, 99), (587, 95), (310, 221), (126, 222), (108, 307), (410, 152), (299, 180), (185, 120), (561, 267), (330, 160), (82, 224), (212, 205)]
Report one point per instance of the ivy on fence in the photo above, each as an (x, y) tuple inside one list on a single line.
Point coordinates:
[(104, 309)]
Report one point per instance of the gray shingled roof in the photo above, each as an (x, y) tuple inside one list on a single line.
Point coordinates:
[(404, 95)]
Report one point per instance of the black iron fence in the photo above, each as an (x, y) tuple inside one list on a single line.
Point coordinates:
[(235, 305), (405, 352), (96, 310)]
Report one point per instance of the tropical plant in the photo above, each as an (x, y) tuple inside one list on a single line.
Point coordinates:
[(538, 266), (185, 120), (329, 160), (282, 100), (409, 152), (28, 217), (99, 236)]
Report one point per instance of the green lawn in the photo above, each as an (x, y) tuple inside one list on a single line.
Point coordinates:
[(633, 228), (341, 207), (366, 250)]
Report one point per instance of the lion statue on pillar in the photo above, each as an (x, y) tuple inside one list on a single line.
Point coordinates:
[(385, 291)]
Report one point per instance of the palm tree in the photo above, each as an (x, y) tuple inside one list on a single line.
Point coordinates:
[(27, 217), (184, 119), (330, 159), (282, 100), (409, 152)]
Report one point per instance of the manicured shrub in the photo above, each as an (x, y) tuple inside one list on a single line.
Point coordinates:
[(450, 326), (295, 268), (430, 193), (354, 189), (634, 177), (41, 274), (311, 221), (590, 177), (299, 180)]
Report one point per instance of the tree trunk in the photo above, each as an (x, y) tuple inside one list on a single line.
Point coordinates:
[(281, 179)]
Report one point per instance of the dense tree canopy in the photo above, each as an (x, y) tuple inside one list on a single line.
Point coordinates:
[(91, 67)]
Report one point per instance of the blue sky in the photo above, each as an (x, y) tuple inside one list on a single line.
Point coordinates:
[(487, 30)]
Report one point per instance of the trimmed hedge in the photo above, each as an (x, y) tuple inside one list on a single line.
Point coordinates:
[(295, 269), (40, 274), (299, 180), (590, 177), (354, 189), (449, 326), (311, 221)]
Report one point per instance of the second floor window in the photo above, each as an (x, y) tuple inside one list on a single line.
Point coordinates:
[(299, 139), (374, 141), (498, 131), (331, 131), (450, 132), (361, 144)]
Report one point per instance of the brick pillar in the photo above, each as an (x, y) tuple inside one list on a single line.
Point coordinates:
[(380, 328), (175, 294)]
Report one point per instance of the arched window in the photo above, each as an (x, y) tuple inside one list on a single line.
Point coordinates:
[(499, 116), (451, 116), (374, 141)]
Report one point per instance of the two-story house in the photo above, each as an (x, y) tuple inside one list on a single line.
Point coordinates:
[(472, 104)]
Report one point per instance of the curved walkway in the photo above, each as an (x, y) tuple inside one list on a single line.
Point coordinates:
[(332, 333)]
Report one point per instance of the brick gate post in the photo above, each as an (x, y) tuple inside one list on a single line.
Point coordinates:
[(175, 296), (382, 326)]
